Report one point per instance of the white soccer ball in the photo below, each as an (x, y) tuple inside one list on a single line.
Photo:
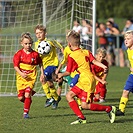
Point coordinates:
[(44, 47)]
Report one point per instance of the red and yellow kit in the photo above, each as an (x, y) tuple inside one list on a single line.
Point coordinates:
[(79, 60), (26, 63)]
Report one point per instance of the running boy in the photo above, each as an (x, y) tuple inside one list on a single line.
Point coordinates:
[(128, 36), (50, 63), (100, 76), (25, 62), (79, 60)]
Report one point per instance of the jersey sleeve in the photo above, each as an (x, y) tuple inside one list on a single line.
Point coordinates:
[(16, 59), (91, 57), (55, 44), (71, 65)]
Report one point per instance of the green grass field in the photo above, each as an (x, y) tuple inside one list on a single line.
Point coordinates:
[(47, 120)]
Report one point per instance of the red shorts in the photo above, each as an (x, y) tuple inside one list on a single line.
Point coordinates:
[(22, 92), (82, 95), (100, 88)]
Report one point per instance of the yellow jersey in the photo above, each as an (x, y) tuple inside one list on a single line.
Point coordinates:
[(50, 59)]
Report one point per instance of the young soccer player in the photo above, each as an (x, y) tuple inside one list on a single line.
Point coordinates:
[(50, 63), (79, 60), (128, 39), (100, 76), (25, 62)]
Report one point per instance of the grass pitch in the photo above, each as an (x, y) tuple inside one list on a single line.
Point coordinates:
[(47, 120)]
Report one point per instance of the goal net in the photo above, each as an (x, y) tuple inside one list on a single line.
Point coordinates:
[(17, 16)]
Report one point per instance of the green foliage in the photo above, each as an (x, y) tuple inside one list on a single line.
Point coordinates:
[(46, 120), (114, 8)]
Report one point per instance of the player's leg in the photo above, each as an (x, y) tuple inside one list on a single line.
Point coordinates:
[(88, 105), (74, 106), (102, 94), (27, 102), (125, 95)]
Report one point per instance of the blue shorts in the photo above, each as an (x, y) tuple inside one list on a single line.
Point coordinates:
[(129, 83), (48, 72)]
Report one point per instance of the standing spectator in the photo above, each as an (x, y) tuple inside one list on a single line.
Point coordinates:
[(111, 32), (128, 37), (25, 61), (100, 32), (86, 31), (128, 26), (114, 24), (76, 26)]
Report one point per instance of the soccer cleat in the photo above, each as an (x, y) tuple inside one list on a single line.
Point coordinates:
[(25, 116), (101, 101), (119, 113), (79, 121), (55, 104), (59, 98), (112, 114), (49, 102)]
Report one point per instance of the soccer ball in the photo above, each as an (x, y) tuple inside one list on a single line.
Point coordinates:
[(44, 47)]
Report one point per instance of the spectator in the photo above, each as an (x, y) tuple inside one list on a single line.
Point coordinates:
[(128, 26), (114, 24), (76, 26), (110, 31), (100, 32), (86, 30)]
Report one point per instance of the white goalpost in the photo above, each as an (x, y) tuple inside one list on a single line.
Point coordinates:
[(17, 16)]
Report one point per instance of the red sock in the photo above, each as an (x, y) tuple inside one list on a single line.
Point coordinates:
[(27, 104), (74, 106), (99, 107)]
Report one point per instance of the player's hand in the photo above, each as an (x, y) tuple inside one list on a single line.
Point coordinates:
[(24, 75), (104, 82), (106, 70), (42, 77), (60, 75)]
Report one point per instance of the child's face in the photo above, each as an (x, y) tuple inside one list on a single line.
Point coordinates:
[(40, 34), (27, 44), (100, 57), (129, 40)]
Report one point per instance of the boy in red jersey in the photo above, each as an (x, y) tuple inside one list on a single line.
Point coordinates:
[(25, 62), (79, 60), (100, 76)]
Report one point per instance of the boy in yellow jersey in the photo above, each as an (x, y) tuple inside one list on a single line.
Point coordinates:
[(25, 62), (79, 60), (50, 63), (128, 36)]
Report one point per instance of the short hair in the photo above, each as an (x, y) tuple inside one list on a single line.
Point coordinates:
[(129, 32), (26, 35), (40, 27), (74, 37), (101, 50)]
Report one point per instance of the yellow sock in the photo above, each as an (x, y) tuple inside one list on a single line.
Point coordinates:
[(54, 93), (46, 90), (123, 103), (78, 101)]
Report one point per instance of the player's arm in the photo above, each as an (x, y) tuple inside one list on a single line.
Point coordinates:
[(103, 81), (131, 69), (100, 65), (58, 45)]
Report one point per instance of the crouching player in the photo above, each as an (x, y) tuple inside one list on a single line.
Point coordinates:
[(100, 76), (25, 62)]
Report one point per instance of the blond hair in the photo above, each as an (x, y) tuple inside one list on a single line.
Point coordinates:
[(40, 27), (129, 32), (102, 51), (73, 37), (26, 35)]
